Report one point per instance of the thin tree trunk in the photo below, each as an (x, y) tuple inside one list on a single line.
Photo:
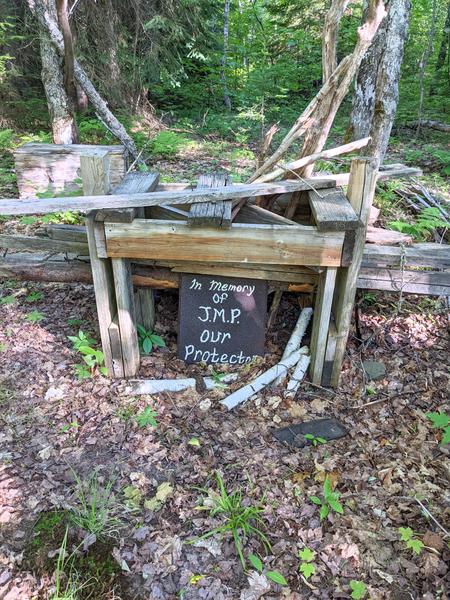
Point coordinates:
[(330, 32), (62, 10), (444, 47), (424, 63), (376, 91), (226, 21), (49, 24), (61, 117)]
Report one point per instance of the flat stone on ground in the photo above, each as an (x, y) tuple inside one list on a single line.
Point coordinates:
[(374, 369)]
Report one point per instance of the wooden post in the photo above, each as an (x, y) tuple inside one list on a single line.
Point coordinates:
[(360, 192), (94, 166), (126, 315), (321, 321), (145, 307)]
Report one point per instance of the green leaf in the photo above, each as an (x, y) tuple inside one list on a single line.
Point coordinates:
[(147, 345), (307, 569), (276, 577), (324, 510), (35, 316), (415, 545), (194, 442), (335, 505), (146, 417), (256, 562), (307, 554), (406, 533), (7, 299), (359, 589), (327, 487), (316, 500), (446, 436), (321, 440), (439, 420), (308, 436), (157, 340)]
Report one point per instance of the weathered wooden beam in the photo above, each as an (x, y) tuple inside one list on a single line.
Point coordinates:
[(27, 242), (426, 254), (271, 244), (433, 283), (332, 211), (250, 213), (211, 214), (32, 206), (95, 175)]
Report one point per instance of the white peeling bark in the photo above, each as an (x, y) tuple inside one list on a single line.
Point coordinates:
[(376, 92)]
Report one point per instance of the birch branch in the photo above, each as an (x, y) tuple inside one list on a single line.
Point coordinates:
[(280, 369), (296, 337), (297, 376)]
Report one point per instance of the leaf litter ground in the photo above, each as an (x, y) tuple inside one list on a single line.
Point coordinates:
[(52, 423)]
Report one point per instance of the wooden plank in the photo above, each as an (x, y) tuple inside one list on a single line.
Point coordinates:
[(211, 214), (144, 302), (116, 348), (250, 213), (361, 190), (132, 183), (329, 353), (94, 167), (27, 242), (385, 237), (427, 254), (67, 233), (9, 206), (412, 282), (252, 273), (332, 211), (272, 244), (321, 322), (171, 213), (126, 315)]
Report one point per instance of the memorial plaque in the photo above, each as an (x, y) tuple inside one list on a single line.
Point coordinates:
[(221, 319)]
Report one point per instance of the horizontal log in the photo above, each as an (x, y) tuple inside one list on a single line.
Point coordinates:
[(27, 242), (9, 206), (432, 283), (427, 254), (438, 125), (271, 244)]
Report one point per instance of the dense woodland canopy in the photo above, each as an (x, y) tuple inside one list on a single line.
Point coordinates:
[(172, 58)]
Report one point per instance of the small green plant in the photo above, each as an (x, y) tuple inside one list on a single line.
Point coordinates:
[(275, 576), (28, 220), (313, 440), (66, 586), (217, 379), (411, 539), (441, 421), (8, 299), (428, 220), (147, 417), (95, 508), (34, 297), (329, 502), (69, 426), (81, 340), (35, 316), (307, 567), (239, 520), (93, 358), (359, 589), (167, 143), (74, 321), (148, 340)]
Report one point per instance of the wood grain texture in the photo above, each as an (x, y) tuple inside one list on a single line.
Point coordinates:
[(56, 168), (10, 206), (95, 174), (332, 211), (132, 183), (250, 213), (144, 302), (211, 214), (321, 322), (272, 244), (27, 242), (116, 348)]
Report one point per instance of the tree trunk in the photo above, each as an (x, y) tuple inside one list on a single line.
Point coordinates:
[(61, 117), (376, 92), (330, 31), (62, 10), (226, 20), (444, 47), (424, 63)]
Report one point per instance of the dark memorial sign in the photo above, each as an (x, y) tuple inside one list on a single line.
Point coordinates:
[(221, 319)]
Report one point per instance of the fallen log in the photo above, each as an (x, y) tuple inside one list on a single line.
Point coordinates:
[(445, 127), (139, 387), (297, 334)]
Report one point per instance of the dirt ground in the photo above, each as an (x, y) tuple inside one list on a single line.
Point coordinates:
[(52, 425)]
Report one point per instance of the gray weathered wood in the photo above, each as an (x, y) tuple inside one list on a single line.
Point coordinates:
[(250, 213), (132, 183), (427, 254), (211, 214), (433, 283), (10, 206), (329, 353), (172, 213), (27, 242), (94, 166), (321, 322), (144, 302), (56, 167), (126, 315), (116, 348), (361, 190), (332, 211)]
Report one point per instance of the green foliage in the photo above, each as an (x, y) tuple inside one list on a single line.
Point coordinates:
[(274, 576), (329, 501), (6, 138), (10, 299), (315, 441), (167, 144), (238, 519), (307, 567), (217, 379), (34, 297), (411, 539), (93, 358), (359, 589), (147, 417), (441, 421), (66, 587), (428, 220), (95, 508), (35, 316), (149, 340)]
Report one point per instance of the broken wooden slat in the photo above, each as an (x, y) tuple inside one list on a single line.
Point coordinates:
[(132, 183), (385, 237), (94, 167), (211, 214), (10, 206), (436, 283), (272, 244), (250, 213), (332, 211), (116, 348)]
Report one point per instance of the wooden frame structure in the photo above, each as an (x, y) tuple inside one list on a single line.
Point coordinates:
[(202, 238)]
